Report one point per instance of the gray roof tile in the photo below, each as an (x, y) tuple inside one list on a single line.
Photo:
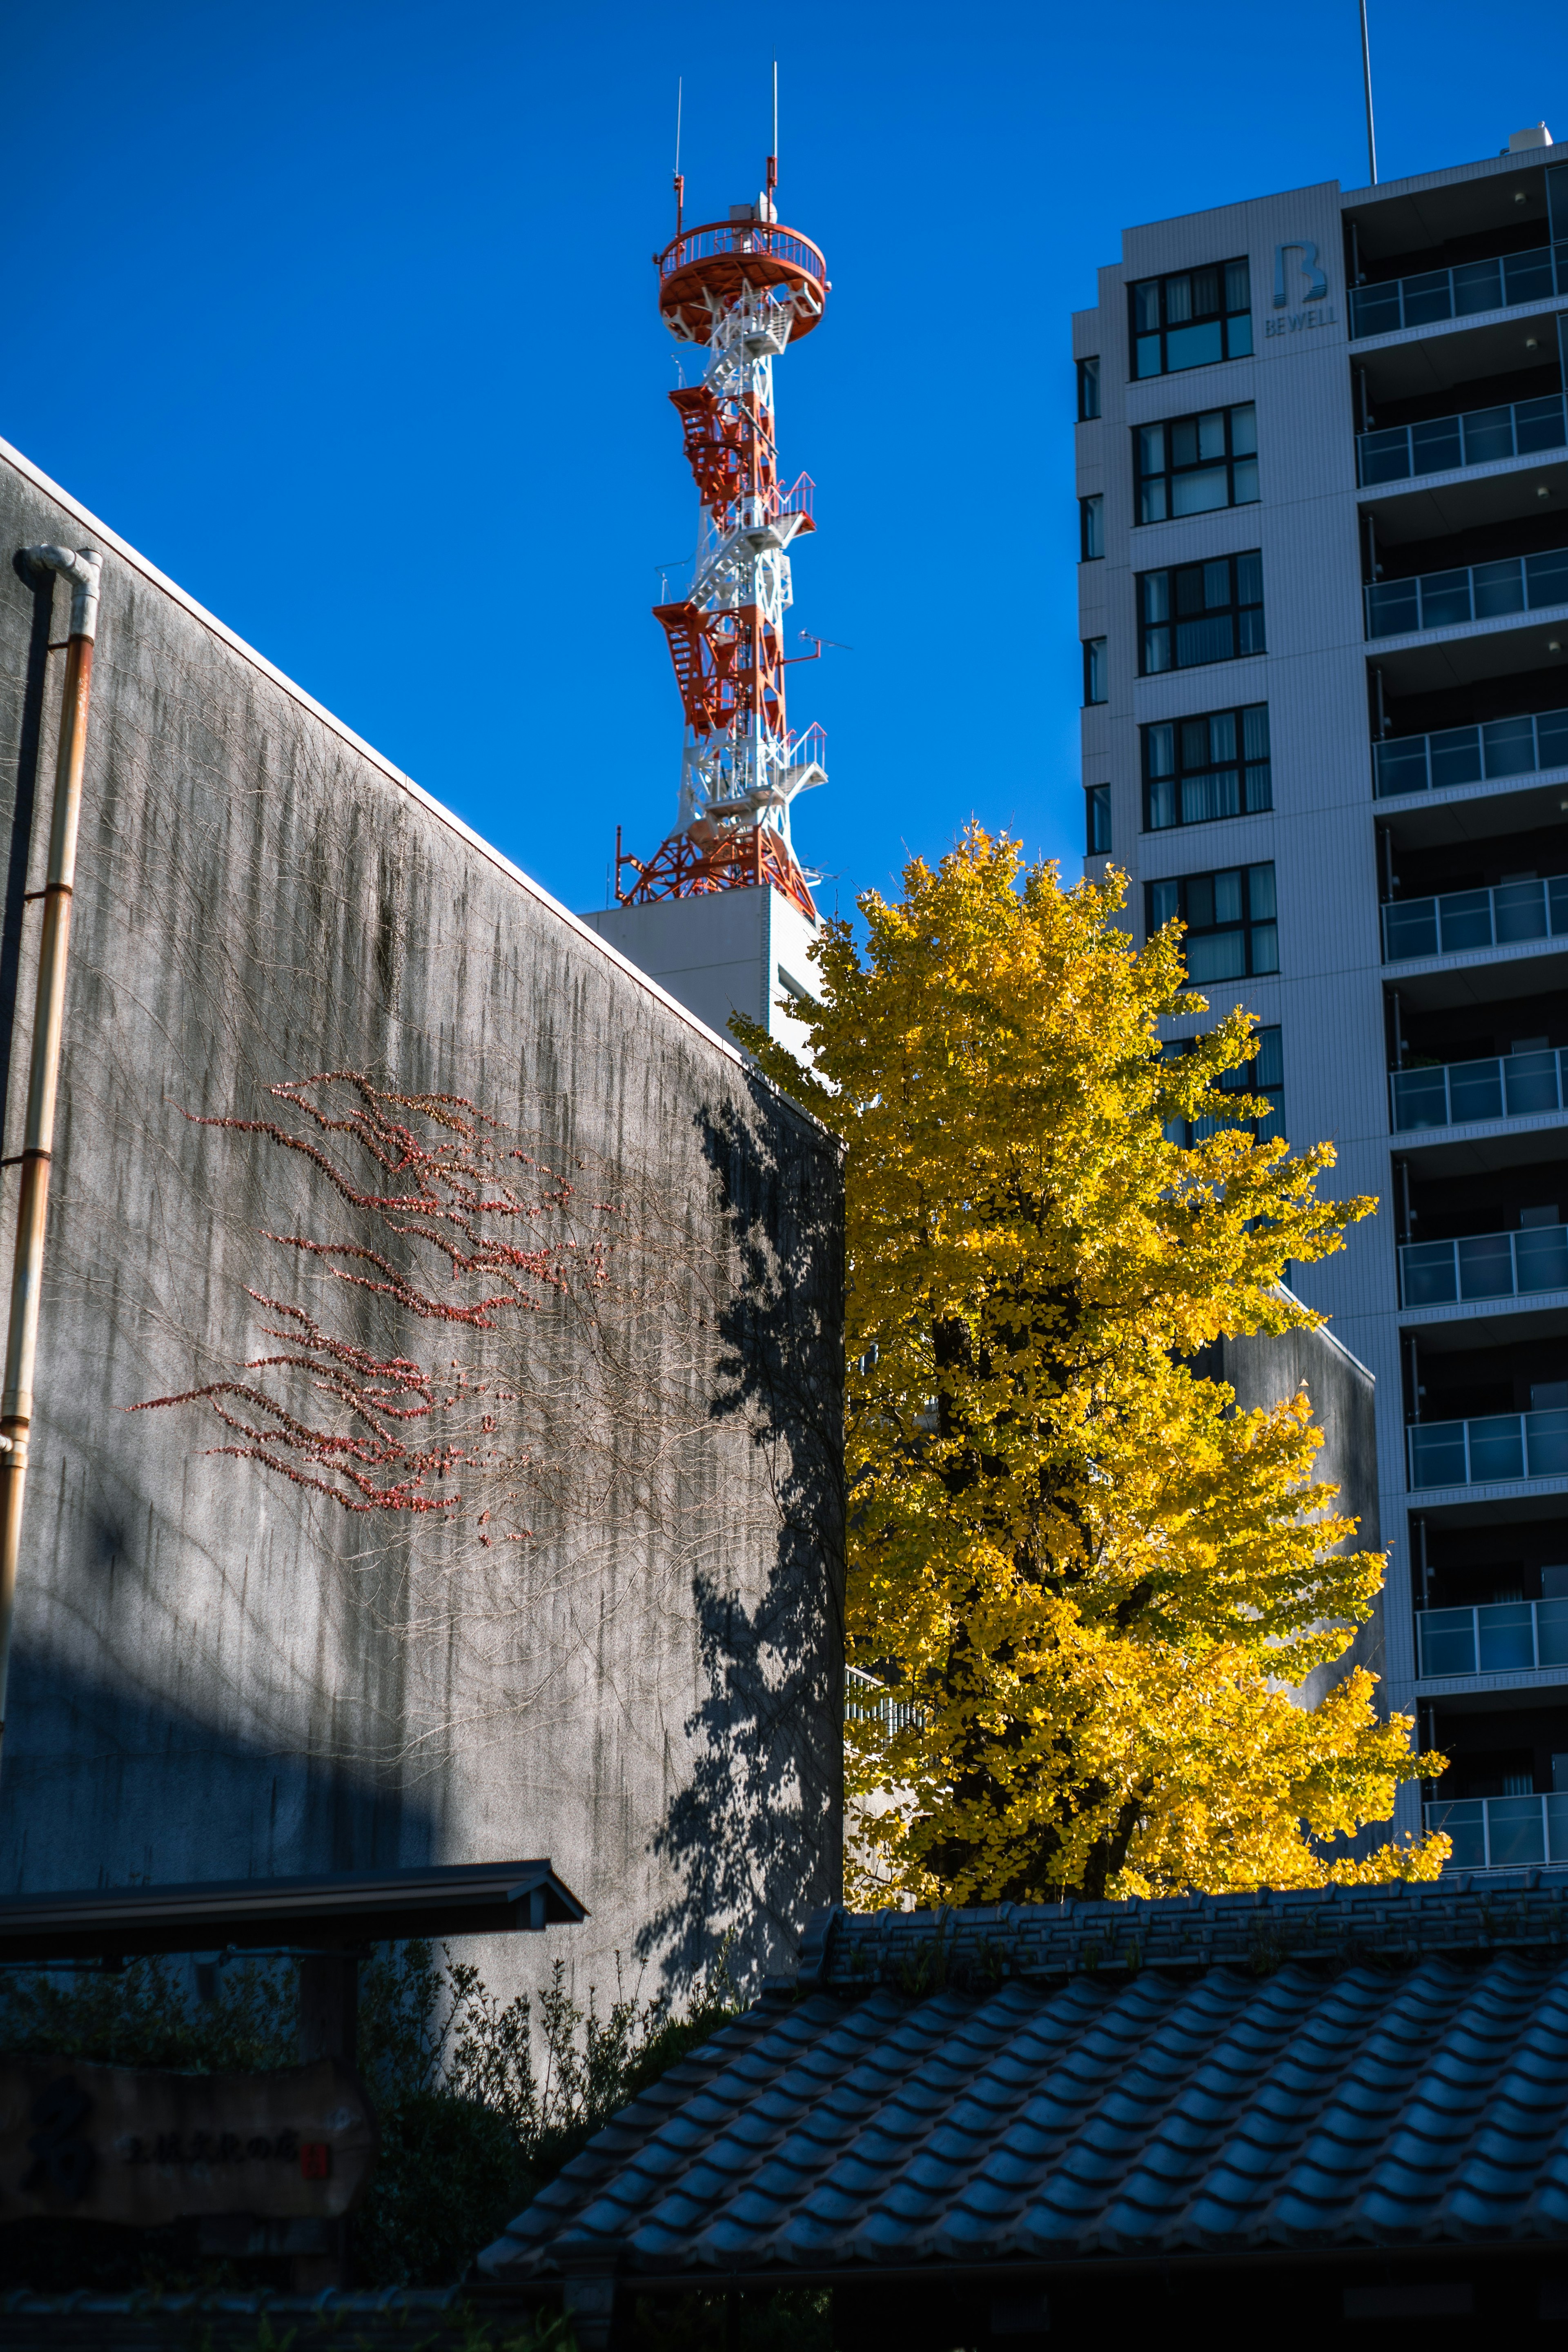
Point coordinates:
[(1360, 2067)]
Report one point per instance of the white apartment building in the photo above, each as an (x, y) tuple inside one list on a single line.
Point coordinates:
[(1322, 466)]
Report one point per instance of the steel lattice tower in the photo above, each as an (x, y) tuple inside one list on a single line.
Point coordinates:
[(743, 290)]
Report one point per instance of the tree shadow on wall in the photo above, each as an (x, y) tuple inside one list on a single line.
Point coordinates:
[(756, 1838)]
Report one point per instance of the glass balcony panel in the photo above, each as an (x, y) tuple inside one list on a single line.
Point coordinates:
[(1385, 457), (1421, 1098), (1532, 1084), (1496, 1448), (1519, 911), (1409, 929), (1445, 599), (1436, 446), (1466, 919), (1527, 276), (1498, 588), (1548, 1437), (1539, 424), (1551, 739), (1393, 608), (1375, 309), (1552, 1636), (1205, 641), (1557, 902), (1489, 434), (1464, 1818), (1478, 286), (1475, 1091), (1508, 1639), (1430, 296), (1556, 1827), (1202, 492), (1436, 1453), (1518, 1831), (1507, 746), (1541, 1255), (1485, 1265), (1400, 766), (1428, 1274), (1456, 756), (1546, 577), (1448, 1639)]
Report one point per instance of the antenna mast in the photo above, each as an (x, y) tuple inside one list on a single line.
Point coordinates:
[(1366, 83), (741, 290)]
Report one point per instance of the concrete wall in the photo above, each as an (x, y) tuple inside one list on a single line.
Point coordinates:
[(220, 1671), (727, 951)]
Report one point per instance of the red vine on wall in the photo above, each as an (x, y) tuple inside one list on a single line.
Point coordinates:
[(440, 1180)]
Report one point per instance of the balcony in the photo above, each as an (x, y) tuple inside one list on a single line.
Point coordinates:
[(1443, 445), (1500, 1637), (1478, 592), (1484, 1265), (1461, 921), (1455, 1094), (1433, 295), (1470, 755), (1502, 1448), (1502, 1832), (869, 1700)]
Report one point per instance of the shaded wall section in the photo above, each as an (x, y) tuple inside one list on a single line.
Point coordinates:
[(616, 1637)]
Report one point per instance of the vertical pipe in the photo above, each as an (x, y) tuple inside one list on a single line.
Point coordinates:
[(82, 569), (1366, 85)]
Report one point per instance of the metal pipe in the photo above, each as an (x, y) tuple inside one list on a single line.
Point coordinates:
[(1366, 82), (82, 568)]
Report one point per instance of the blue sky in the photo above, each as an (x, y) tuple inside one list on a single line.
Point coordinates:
[(359, 344)]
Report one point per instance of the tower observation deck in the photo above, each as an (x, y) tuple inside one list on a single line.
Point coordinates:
[(739, 291)]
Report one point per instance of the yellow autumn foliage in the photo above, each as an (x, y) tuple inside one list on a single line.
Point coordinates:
[(1093, 1583)]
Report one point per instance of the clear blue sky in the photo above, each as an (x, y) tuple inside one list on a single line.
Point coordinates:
[(359, 343)]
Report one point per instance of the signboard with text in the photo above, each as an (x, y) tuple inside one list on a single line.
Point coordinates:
[(142, 2146)]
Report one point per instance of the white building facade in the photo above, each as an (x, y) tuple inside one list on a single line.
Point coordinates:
[(1322, 466)]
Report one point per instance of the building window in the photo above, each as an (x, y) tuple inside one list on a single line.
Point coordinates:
[(1231, 932), (1196, 769), (1190, 465), (1198, 612), (1258, 1087), (1090, 528), (1094, 670), (1087, 390), (1096, 815), (1191, 318)]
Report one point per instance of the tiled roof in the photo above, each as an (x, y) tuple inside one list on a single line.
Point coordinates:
[(1358, 2068)]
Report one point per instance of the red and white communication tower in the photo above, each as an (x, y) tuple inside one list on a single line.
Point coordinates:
[(741, 289)]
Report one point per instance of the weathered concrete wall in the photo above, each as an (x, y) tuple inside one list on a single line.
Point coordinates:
[(220, 1671), (1262, 1370)]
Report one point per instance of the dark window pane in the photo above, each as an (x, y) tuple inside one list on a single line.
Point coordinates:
[(1238, 337), (1216, 584), (1200, 902), (1149, 359), (1194, 744), (1200, 492), (1237, 286), (1088, 389), (1243, 431), (1160, 750), (1268, 1069), (1097, 814), (1156, 595), (1255, 731), (1178, 299), (1222, 736), (1249, 579), (1164, 903), (1260, 892), (1189, 589), (1151, 449), (1156, 651), (1205, 641), (1146, 305), (1205, 292), (1259, 788), (1251, 628), (1265, 947), (1188, 347), (1221, 956)]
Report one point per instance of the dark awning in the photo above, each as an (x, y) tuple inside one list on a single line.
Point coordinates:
[(340, 1909)]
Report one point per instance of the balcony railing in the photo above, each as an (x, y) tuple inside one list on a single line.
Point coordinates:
[(1488, 1453), (1502, 1832), (1434, 294), (1470, 755), (1479, 437), (1476, 591), (866, 1700), (1453, 1094), (1484, 1265), (1462, 919), (1499, 1638)]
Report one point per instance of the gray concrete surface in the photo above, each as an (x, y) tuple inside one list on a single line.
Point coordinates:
[(220, 1671)]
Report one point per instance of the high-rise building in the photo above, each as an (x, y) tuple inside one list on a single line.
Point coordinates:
[(1322, 472)]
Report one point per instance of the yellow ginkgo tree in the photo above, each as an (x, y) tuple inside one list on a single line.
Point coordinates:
[(1088, 1585)]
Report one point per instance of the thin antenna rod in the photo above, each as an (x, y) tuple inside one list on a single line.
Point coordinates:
[(773, 171), (679, 85), (1366, 79)]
